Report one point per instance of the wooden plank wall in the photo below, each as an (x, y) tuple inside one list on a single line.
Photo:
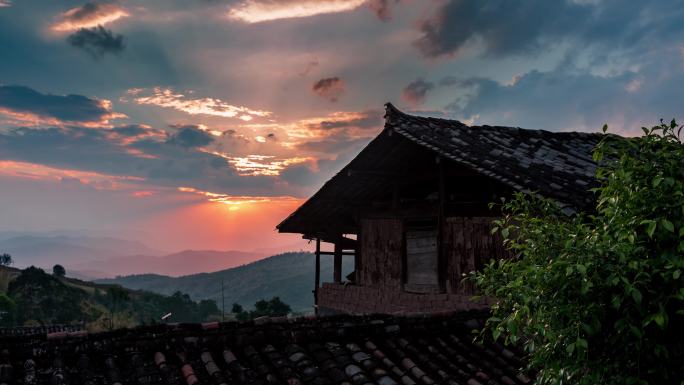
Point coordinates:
[(382, 244), (468, 244)]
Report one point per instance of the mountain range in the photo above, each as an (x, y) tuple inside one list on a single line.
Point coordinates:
[(88, 257), (289, 276)]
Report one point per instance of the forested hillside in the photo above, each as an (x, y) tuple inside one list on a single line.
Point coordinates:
[(289, 276), (32, 297)]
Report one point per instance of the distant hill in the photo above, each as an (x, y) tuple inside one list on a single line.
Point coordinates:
[(88, 257), (45, 250), (289, 276), (176, 264)]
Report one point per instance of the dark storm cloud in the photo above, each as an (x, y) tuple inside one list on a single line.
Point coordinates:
[(416, 91), (70, 108), (190, 136), (97, 41), (329, 88), (507, 27)]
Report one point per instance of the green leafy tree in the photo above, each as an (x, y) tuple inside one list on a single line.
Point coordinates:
[(274, 307), (117, 296), (5, 259), (45, 299), (598, 298), (8, 310), (58, 271)]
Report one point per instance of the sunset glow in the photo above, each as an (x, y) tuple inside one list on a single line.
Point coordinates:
[(256, 11), (207, 106), (95, 180)]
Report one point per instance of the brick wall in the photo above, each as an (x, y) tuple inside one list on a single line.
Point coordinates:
[(355, 299)]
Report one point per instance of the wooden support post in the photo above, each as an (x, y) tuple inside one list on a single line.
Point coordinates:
[(318, 274), (337, 262), (441, 257)]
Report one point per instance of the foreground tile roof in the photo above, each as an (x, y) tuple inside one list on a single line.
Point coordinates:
[(558, 165), (345, 350)]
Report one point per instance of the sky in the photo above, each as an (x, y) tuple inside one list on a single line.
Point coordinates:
[(201, 124)]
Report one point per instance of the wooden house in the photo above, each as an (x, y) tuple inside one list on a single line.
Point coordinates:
[(413, 211)]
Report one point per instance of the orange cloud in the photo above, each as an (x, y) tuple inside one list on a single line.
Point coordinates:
[(166, 97), (264, 165), (33, 119), (235, 202), (99, 181), (88, 16), (256, 11)]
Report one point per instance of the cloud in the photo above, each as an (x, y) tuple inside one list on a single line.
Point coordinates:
[(97, 41), (5, 3), (333, 144), (256, 11), (308, 68), (503, 27), (416, 91), (256, 165), (191, 136), (329, 88), (364, 120), (565, 100), (382, 8), (168, 98), (89, 15), (236, 201), (28, 105)]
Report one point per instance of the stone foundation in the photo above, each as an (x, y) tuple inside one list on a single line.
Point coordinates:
[(353, 299)]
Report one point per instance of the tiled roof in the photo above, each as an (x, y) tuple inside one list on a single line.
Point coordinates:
[(33, 330), (558, 165), (344, 350)]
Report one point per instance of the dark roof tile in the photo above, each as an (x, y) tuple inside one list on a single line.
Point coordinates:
[(416, 351)]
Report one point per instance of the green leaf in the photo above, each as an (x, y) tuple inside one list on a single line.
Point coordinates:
[(667, 225), (616, 302), (504, 232), (582, 269), (676, 274), (582, 343), (650, 229), (496, 333), (570, 348), (636, 295), (656, 181)]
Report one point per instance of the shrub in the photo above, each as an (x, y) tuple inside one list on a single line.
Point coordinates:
[(598, 298)]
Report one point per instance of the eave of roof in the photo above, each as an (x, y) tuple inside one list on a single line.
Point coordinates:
[(557, 165)]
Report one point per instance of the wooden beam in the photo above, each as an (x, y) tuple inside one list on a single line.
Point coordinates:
[(337, 263), (318, 274), (342, 253)]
